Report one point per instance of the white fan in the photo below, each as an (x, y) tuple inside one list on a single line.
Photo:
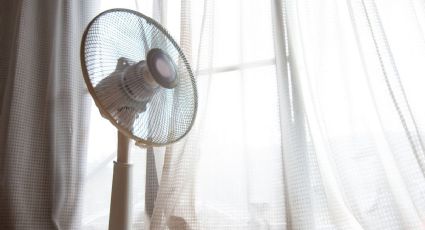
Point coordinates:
[(142, 83)]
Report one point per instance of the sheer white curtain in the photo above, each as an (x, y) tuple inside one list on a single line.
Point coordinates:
[(228, 173), (43, 114), (310, 117), (357, 68)]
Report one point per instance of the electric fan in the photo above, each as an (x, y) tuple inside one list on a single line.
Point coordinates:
[(142, 83)]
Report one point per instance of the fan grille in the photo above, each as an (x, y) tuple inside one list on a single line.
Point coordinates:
[(121, 33)]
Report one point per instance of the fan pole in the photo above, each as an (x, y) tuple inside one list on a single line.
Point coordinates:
[(120, 216)]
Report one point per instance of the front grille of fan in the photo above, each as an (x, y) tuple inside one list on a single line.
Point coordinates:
[(120, 33)]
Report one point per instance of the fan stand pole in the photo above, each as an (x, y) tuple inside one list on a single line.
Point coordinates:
[(120, 216)]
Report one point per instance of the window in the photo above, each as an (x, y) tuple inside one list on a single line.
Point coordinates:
[(245, 74)]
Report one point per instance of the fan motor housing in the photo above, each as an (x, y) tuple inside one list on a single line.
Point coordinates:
[(137, 81)]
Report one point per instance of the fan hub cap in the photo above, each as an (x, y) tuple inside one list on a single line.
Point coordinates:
[(162, 68)]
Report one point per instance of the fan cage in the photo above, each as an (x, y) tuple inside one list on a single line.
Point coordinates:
[(161, 139)]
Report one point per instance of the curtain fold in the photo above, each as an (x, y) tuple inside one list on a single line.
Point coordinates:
[(348, 57), (43, 115)]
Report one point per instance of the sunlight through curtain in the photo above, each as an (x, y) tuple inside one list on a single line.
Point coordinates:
[(310, 117)]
